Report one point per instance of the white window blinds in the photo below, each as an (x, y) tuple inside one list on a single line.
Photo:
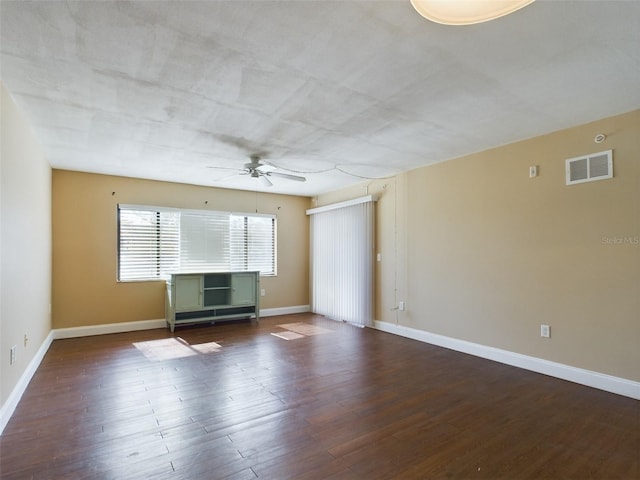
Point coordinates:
[(253, 241), (342, 249), (204, 241), (148, 243), (154, 242)]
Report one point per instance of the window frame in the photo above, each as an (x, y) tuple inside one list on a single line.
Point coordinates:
[(158, 264)]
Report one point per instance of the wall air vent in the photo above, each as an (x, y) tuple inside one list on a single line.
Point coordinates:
[(597, 166)]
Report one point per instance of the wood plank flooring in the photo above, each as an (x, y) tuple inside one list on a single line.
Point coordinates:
[(234, 401)]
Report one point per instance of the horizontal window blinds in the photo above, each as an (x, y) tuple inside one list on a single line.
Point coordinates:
[(154, 242), (148, 244), (204, 241), (253, 243)]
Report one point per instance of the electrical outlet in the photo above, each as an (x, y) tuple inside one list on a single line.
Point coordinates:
[(26, 339), (545, 331), (263, 292), (401, 306), (12, 355)]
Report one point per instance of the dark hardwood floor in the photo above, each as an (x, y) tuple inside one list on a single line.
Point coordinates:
[(327, 401)]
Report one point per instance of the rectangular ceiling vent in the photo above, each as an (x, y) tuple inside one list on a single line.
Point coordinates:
[(597, 166)]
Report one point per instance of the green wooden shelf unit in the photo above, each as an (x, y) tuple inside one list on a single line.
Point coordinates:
[(211, 297)]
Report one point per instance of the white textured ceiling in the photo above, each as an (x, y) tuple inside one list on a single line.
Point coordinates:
[(338, 89)]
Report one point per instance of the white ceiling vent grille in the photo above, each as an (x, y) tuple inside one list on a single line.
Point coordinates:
[(597, 166)]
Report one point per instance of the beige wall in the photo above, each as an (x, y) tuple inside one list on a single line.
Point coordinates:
[(85, 290), (25, 245), (481, 252)]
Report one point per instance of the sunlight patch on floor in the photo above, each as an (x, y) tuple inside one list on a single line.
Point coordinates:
[(171, 348), (299, 330), (288, 335)]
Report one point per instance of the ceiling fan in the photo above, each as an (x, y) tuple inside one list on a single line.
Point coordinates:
[(256, 169)]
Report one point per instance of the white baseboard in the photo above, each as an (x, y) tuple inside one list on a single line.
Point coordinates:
[(10, 405), (90, 330), (272, 312), (609, 383)]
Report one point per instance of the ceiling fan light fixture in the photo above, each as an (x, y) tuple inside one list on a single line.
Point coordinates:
[(466, 12)]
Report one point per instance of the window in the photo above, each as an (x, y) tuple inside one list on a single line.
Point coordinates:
[(154, 242)]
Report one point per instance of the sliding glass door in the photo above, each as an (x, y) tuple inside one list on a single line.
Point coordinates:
[(342, 252)]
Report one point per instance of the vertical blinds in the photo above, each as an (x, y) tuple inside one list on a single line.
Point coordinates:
[(342, 249), (154, 242)]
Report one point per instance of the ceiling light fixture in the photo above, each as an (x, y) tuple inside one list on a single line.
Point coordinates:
[(466, 12)]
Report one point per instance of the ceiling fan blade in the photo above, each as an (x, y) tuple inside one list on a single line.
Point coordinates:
[(224, 168), (288, 176), (266, 181), (265, 167)]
